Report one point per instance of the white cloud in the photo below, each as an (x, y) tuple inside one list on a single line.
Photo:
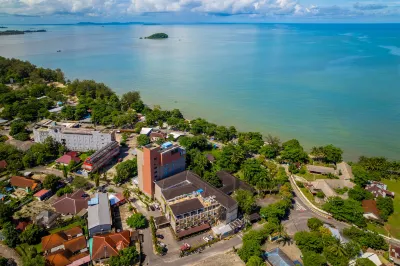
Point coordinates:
[(253, 8)]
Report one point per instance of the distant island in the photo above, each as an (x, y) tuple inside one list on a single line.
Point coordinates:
[(18, 32), (157, 36), (1, 27)]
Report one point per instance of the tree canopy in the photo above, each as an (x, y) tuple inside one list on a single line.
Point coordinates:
[(345, 210), (137, 221), (126, 170)]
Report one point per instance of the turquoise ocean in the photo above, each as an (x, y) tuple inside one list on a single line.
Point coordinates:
[(319, 83)]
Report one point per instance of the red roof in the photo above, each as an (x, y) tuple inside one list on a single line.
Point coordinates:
[(41, 193), (108, 245), (3, 164), (22, 225), (68, 157), (370, 206), (22, 182)]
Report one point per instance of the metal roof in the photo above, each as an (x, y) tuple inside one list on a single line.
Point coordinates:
[(100, 213)]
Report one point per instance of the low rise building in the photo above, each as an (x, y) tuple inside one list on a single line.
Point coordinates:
[(99, 215), (68, 157), (276, 257), (75, 139), (47, 218), (329, 186), (43, 194), (371, 210), (379, 189), (321, 170), (101, 157), (192, 205), (157, 135), (71, 203), (108, 245), (394, 254), (230, 183), (29, 185)]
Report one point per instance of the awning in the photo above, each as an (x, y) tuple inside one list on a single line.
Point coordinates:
[(193, 230)]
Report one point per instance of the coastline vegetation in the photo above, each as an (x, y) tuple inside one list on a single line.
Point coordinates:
[(157, 36)]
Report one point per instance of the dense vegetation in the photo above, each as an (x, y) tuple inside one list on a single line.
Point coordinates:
[(157, 36)]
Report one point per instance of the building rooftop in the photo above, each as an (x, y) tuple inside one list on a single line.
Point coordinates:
[(22, 182), (100, 213), (277, 257), (188, 182), (186, 206), (230, 183), (320, 169), (370, 206), (108, 245)]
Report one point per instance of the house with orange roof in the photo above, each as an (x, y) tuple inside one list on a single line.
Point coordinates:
[(66, 248), (108, 245), (29, 185)]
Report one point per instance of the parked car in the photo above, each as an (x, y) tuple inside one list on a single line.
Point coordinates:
[(210, 237), (152, 208), (206, 238), (160, 236), (185, 247), (161, 244)]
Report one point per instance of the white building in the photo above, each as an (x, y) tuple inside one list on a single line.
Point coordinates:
[(75, 139)]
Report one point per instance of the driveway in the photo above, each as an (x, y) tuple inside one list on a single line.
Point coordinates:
[(10, 253)]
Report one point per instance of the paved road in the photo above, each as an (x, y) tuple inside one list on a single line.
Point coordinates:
[(10, 253)]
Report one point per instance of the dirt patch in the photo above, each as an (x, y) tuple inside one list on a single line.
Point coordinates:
[(20, 193), (32, 209), (267, 200), (228, 259)]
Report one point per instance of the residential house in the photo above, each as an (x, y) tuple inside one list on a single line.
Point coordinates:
[(321, 170), (71, 203), (99, 215), (108, 245), (68, 157), (116, 199), (379, 189), (3, 165), (156, 136), (370, 209), (20, 225), (276, 257), (329, 186), (146, 131), (210, 157), (47, 218), (43, 194), (29, 185), (394, 254), (67, 247)]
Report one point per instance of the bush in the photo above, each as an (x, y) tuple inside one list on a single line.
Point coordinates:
[(137, 221), (320, 195), (299, 184)]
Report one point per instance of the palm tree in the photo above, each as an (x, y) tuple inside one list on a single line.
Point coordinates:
[(284, 237), (126, 193), (337, 249)]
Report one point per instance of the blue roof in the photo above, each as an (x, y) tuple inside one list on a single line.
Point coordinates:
[(8, 189), (94, 201), (277, 257), (166, 145), (2, 196), (199, 190)]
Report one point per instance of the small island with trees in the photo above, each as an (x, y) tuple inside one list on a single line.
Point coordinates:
[(157, 36), (19, 32)]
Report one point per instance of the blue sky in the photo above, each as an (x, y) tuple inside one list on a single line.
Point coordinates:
[(70, 11)]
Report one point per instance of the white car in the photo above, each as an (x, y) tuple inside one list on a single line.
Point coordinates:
[(206, 239)]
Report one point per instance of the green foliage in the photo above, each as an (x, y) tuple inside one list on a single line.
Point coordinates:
[(126, 170), (385, 206), (251, 141), (17, 128), (245, 200), (212, 178), (41, 153), (11, 235), (143, 140), (254, 172), (197, 142), (32, 258), (320, 195), (197, 162), (314, 224), (255, 261), (231, 158), (346, 210), (366, 239), (32, 234), (51, 182), (359, 194), (252, 242), (157, 36), (276, 210), (311, 258), (64, 190), (128, 99), (328, 154), (4, 262), (126, 257), (293, 152), (5, 212), (137, 221), (309, 241), (364, 262), (79, 182)]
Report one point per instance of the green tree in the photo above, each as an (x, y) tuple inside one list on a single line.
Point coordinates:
[(32, 258), (249, 249), (254, 172), (255, 261), (333, 154), (311, 258), (128, 99), (309, 241), (245, 200), (11, 235), (314, 224), (364, 262), (79, 182), (212, 178), (127, 257), (231, 158), (359, 194), (137, 221), (5, 212), (345, 210), (293, 152), (143, 140), (385, 206), (51, 182), (126, 170), (32, 234), (17, 126), (365, 239)]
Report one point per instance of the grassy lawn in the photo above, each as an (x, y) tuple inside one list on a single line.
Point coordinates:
[(377, 228), (21, 249), (309, 196), (311, 177), (215, 152), (393, 224), (65, 227)]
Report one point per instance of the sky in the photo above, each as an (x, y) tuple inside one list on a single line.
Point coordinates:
[(192, 11)]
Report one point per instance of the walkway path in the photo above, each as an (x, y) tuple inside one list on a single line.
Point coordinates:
[(10, 253)]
